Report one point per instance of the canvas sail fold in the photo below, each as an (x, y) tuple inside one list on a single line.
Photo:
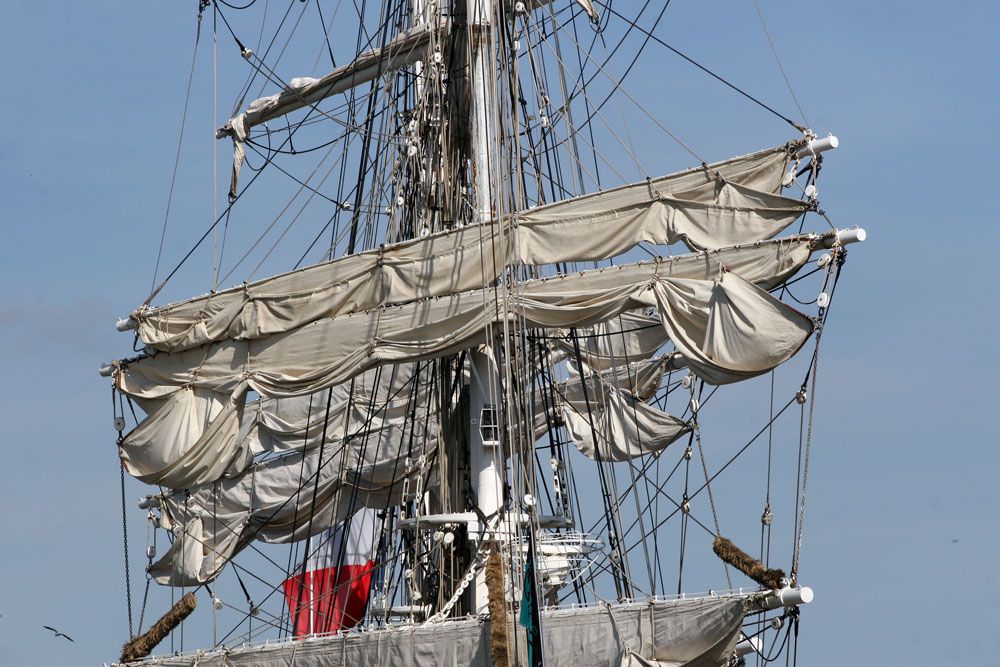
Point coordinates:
[(692, 632), (726, 329), (717, 206), (747, 331), (629, 337), (609, 424), (285, 499), (192, 436), (333, 350), (187, 435), (404, 50)]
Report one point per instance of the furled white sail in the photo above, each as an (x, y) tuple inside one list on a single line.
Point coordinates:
[(189, 436), (378, 401), (627, 338), (201, 435), (406, 49), (723, 204), (285, 499), (194, 436), (610, 424), (693, 631), (336, 349), (403, 50), (726, 329)]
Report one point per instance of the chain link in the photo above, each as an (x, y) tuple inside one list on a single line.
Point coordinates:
[(474, 567), (128, 583)]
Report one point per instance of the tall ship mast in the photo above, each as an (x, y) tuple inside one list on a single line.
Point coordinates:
[(471, 422)]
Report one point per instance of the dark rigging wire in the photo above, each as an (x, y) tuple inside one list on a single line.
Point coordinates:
[(180, 142), (694, 62)]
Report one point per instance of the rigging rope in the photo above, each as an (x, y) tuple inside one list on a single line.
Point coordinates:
[(781, 67), (180, 142), (704, 466), (694, 62)]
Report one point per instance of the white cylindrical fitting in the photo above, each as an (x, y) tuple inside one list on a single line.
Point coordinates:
[(856, 235), (817, 146), (149, 502), (841, 237), (748, 645), (126, 324), (106, 370), (789, 597)]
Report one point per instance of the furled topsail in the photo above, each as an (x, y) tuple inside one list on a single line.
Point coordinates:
[(716, 206), (725, 327)]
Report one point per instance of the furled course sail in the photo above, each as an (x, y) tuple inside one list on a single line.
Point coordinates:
[(683, 632)]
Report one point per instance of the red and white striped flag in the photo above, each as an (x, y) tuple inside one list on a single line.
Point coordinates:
[(333, 592)]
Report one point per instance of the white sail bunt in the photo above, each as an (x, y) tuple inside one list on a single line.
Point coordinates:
[(285, 499), (382, 400), (698, 632), (629, 337), (272, 501), (719, 205), (406, 49), (198, 436), (726, 328), (194, 436), (611, 424), (336, 349)]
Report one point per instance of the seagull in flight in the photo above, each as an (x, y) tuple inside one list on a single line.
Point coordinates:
[(59, 634)]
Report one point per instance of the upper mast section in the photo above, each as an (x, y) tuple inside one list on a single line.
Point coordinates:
[(480, 13)]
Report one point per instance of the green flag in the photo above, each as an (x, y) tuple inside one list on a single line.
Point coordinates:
[(528, 616)]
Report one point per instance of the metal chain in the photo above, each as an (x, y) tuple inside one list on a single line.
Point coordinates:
[(805, 462), (474, 567), (128, 583)]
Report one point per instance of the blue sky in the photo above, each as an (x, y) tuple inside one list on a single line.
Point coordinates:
[(902, 523)]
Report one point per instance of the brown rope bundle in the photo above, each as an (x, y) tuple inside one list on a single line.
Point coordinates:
[(142, 645), (747, 564), (498, 609)]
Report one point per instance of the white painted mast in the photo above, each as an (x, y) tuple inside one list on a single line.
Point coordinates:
[(484, 441)]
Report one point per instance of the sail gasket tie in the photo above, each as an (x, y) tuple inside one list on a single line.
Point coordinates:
[(772, 578)]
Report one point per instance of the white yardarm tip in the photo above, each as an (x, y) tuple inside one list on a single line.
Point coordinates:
[(856, 235), (841, 237), (748, 645), (126, 324), (817, 146), (149, 502), (789, 597), (106, 370)]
